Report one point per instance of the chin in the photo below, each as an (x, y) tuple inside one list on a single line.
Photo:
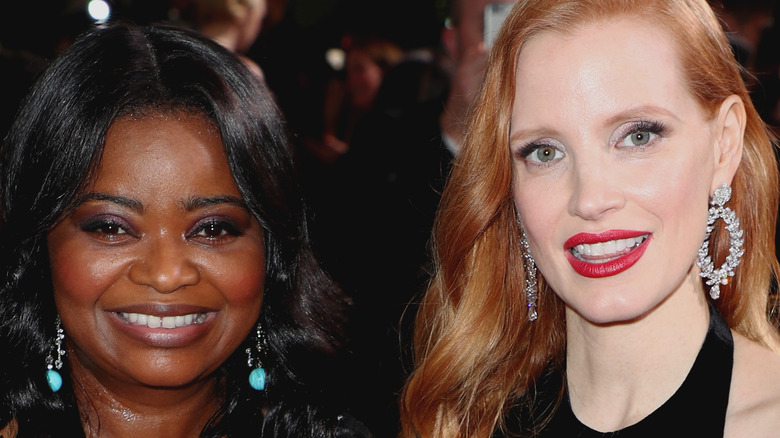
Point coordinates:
[(612, 312), (166, 380)]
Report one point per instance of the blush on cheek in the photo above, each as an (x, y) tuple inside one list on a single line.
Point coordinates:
[(245, 287), (76, 275)]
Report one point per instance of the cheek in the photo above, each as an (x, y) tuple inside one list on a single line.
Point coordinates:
[(240, 278), (680, 188), (540, 207), (244, 285), (81, 275)]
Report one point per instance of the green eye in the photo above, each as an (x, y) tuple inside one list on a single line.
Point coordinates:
[(640, 138), (545, 154)]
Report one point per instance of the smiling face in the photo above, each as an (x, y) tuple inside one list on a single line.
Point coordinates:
[(614, 162), (158, 273)]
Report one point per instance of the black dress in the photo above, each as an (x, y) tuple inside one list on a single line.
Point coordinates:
[(697, 409)]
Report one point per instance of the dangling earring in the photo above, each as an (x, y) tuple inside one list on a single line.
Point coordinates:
[(717, 277), (530, 277), (257, 375), (53, 377)]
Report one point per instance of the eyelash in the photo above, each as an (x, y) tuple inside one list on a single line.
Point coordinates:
[(225, 230), (525, 151), (111, 230), (652, 127), (107, 228)]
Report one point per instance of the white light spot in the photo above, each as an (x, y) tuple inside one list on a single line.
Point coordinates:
[(99, 10), (336, 58)]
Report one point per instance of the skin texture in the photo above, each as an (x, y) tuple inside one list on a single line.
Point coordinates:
[(597, 179), (162, 230), (605, 136)]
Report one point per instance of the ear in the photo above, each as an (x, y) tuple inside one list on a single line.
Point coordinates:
[(729, 138)]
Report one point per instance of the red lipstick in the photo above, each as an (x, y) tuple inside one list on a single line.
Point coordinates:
[(608, 264)]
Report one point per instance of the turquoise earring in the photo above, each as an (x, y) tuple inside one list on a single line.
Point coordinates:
[(53, 377), (257, 375)]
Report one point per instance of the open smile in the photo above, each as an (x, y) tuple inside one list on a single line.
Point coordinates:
[(605, 254), (163, 325), (168, 322)]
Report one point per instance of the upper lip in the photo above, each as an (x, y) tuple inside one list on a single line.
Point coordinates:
[(159, 309), (606, 236)]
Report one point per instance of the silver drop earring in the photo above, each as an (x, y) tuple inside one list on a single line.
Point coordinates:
[(717, 277), (257, 375), (530, 277), (53, 377)]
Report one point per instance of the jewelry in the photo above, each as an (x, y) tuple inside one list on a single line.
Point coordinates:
[(257, 375), (53, 377), (720, 276), (530, 277)]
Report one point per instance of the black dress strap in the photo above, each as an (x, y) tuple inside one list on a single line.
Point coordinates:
[(697, 409)]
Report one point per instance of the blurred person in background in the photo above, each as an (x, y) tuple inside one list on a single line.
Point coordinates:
[(351, 96), (235, 24), (374, 228)]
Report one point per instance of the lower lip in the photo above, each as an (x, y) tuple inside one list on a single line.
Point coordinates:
[(163, 337), (610, 268)]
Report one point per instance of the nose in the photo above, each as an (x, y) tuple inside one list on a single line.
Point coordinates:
[(597, 189), (164, 265)]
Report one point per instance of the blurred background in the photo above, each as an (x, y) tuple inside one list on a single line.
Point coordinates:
[(291, 46)]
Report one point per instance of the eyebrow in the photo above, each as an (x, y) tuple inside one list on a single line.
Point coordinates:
[(198, 202), (528, 133), (189, 204), (640, 111), (634, 112), (123, 201)]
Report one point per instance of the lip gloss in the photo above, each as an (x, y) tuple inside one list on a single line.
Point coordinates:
[(612, 267)]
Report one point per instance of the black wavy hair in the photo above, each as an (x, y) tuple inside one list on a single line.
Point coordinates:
[(51, 153)]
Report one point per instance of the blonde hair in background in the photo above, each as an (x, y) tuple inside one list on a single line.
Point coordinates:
[(476, 353)]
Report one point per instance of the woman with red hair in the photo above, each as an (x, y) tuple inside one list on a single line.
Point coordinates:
[(604, 249)]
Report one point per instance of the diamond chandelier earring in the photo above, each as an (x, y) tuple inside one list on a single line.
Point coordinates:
[(53, 377), (717, 277), (530, 277), (257, 375)]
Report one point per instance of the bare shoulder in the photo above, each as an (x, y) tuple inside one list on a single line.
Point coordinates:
[(754, 402)]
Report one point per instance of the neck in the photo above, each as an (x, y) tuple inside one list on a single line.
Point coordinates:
[(619, 373), (121, 409)]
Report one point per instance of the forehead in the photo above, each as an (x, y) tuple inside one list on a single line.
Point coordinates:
[(163, 150), (604, 66)]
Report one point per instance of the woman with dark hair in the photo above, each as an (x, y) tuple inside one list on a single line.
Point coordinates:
[(604, 248), (156, 271)]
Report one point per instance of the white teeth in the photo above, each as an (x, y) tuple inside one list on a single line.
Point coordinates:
[(608, 248), (168, 322)]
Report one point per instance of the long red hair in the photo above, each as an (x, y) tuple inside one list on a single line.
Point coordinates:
[(476, 353)]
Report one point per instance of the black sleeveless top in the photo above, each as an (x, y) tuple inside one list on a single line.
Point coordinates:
[(697, 409)]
